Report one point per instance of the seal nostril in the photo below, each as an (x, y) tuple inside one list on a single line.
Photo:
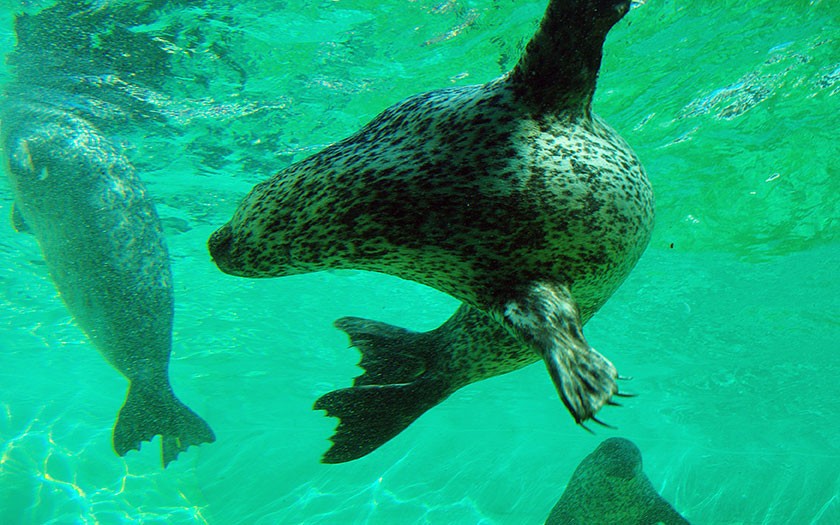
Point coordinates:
[(219, 244)]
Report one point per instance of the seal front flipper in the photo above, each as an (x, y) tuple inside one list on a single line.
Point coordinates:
[(546, 318), (18, 222), (396, 388), (151, 410)]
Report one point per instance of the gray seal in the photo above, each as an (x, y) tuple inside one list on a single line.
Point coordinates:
[(511, 196), (609, 487)]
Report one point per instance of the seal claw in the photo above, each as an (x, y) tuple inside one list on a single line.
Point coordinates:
[(624, 394), (586, 428), (547, 318), (596, 420)]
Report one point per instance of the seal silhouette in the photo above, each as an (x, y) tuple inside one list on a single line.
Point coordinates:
[(511, 196)]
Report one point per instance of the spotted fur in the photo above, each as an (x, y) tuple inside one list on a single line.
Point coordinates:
[(510, 196)]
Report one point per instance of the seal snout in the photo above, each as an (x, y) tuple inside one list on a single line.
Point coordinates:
[(220, 244)]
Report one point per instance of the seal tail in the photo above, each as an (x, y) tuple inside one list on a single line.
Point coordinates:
[(394, 391), (148, 412)]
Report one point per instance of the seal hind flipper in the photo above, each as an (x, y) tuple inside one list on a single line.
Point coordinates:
[(609, 486), (383, 348), (546, 317), (371, 415), (148, 412), (395, 389)]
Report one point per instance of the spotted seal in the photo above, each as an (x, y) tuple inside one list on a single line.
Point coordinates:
[(609, 486), (511, 196), (97, 228)]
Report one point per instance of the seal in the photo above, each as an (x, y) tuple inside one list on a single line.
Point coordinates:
[(97, 228), (511, 196), (103, 245), (609, 486)]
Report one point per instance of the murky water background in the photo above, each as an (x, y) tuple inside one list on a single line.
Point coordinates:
[(728, 326)]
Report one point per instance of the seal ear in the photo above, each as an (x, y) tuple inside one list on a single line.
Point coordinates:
[(18, 222)]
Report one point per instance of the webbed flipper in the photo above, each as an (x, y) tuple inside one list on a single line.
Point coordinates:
[(394, 391), (546, 317), (151, 411), (390, 354)]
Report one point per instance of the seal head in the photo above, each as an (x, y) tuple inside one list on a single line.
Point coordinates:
[(609, 486)]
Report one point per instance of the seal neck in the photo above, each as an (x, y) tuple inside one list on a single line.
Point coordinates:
[(558, 70)]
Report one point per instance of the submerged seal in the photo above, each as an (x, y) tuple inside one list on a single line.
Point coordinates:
[(99, 233), (510, 196), (103, 245), (610, 487)]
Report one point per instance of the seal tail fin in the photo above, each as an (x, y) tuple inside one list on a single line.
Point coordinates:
[(148, 412), (393, 392), (390, 354)]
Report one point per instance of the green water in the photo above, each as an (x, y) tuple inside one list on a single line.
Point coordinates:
[(728, 325)]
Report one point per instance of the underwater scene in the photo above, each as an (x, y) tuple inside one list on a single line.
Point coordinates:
[(387, 329)]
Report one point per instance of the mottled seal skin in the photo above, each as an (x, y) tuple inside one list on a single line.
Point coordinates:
[(609, 487), (78, 194), (510, 196)]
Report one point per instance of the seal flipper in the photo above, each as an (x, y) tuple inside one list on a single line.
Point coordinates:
[(383, 347), (546, 318), (148, 412), (18, 222), (394, 391)]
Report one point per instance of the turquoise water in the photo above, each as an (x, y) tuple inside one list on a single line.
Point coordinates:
[(728, 325)]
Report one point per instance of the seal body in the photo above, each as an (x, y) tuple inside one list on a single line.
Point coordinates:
[(510, 196), (97, 228)]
